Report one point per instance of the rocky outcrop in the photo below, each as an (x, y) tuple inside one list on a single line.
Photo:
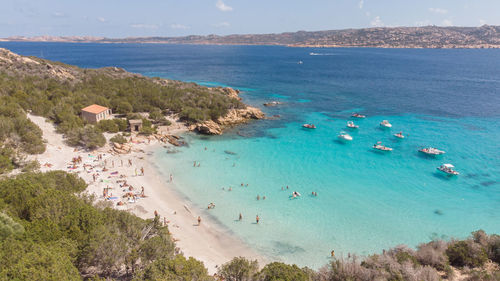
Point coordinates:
[(232, 118), (121, 148)]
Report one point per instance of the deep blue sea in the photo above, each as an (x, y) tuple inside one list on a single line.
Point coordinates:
[(367, 201)]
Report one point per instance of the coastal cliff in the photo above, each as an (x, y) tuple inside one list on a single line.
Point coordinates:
[(207, 110), (486, 36), (232, 118)]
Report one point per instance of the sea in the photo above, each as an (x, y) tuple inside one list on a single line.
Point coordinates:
[(366, 200)]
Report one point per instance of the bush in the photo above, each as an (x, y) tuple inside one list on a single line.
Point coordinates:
[(108, 126), (466, 253), (9, 227), (282, 272), (178, 268), (89, 137), (433, 254), (147, 130), (239, 269), (118, 138), (121, 123)]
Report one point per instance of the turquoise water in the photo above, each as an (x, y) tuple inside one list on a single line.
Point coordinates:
[(367, 201)]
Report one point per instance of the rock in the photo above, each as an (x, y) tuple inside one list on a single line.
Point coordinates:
[(232, 118), (207, 128)]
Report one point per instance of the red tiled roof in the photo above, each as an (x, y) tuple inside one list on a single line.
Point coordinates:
[(96, 109)]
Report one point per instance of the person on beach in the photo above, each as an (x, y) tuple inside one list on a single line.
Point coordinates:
[(121, 163), (257, 219), (332, 253), (129, 162), (171, 178), (142, 171), (142, 192), (112, 163), (135, 172), (240, 218), (199, 220)]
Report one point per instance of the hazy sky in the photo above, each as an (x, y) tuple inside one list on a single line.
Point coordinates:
[(122, 18)]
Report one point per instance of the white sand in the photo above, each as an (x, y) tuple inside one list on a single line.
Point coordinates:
[(206, 242)]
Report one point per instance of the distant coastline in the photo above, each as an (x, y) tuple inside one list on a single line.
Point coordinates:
[(431, 37)]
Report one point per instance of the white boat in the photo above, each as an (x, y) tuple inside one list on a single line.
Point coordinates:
[(399, 135), (431, 151), (344, 136), (351, 125), (448, 169), (357, 115), (300, 62), (381, 147), (386, 124)]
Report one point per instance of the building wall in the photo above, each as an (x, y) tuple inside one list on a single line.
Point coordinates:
[(94, 118)]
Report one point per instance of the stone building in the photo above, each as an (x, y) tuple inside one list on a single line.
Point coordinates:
[(95, 113), (135, 125)]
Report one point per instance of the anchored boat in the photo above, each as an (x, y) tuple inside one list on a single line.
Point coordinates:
[(344, 136), (386, 124), (431, 151), (381, 147), (448, 169), (351, 125)]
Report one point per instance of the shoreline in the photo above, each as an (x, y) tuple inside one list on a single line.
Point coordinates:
[(209, 242)]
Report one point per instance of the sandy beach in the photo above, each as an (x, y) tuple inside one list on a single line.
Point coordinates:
[(117, 172)]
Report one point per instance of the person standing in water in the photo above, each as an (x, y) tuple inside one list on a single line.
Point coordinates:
[(241, 217), (257, 219)]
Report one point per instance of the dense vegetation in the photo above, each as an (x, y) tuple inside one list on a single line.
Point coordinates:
[(58, 92), (49, 230)]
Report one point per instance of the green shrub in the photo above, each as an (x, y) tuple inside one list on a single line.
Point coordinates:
[(239, 269), (118, 138), (109, 126), (464, 253), (9, 227), (178, 268), (283, 272), (121, 123)]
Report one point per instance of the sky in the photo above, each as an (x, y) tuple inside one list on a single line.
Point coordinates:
[(131, 18)]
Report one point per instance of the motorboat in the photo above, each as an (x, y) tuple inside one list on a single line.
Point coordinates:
[(381, 147), (344, 136), (386, 124), (448, 169), (309, 126), (300, 62), (431, 151), (399, 135), (357, 115), (351, 125), (272, 103)]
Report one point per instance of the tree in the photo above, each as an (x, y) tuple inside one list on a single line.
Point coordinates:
[(9, 227), (279, 271), (239, 269)]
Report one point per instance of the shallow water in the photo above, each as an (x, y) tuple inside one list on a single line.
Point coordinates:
[(367, 201)]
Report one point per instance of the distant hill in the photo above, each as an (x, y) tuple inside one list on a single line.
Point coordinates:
[(485, 36)]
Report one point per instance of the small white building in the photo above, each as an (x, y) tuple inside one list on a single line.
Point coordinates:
[(95, 113)]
